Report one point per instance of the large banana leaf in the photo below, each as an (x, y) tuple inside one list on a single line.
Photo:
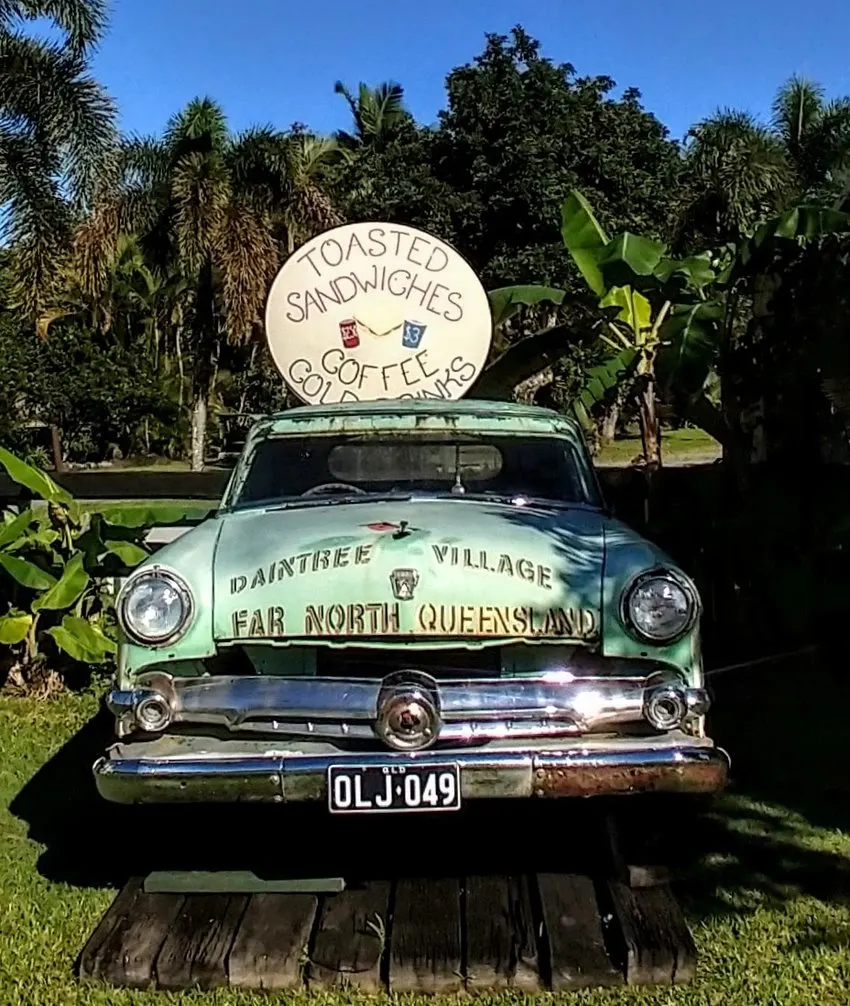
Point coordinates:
[(584, 239), (26, 573), (629, 260), (696, 271), (522, 360), (690, 340), (13, 528), (606, 376), (14, 627), (634, 309), (127, 551), (803, 223), (67, 589), (507, 300), (33, 479), (82, 641), (149, 516)]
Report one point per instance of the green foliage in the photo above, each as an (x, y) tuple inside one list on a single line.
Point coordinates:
[(518, 134), (740, 172), (651, 308), (507, 301), (53, 565), (600, 381), (57, 131), (113, 403)]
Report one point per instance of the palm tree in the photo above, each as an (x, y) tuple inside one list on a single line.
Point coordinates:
[(217, 211), (737, 174), (816, 135), (57, 133), (740, 170), (307, 207), (376, 113)]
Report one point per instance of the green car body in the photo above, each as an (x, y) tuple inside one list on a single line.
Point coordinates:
[(453, 621)]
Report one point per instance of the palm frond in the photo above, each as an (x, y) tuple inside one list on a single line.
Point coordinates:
[(310, 157), (738, 171), (143, 161), (308, 208), (375, 111), (82, 21), (796, 107), (256, 161), (381, 108), (200, 191), (247, 258), (36, 220), (48, 94), (340, 88), (826, 150), (200, 127)]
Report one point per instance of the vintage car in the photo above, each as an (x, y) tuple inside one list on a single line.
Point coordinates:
[(406, 599), (402, 606)]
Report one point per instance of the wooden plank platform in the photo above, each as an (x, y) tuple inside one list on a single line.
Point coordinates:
[(536, 933)]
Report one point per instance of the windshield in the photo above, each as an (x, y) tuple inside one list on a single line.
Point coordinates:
[(286, 468)]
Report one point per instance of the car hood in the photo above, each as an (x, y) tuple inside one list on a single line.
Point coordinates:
[(435, 570)]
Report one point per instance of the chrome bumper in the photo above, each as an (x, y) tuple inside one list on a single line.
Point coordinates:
[(679, 764), (545, 706)]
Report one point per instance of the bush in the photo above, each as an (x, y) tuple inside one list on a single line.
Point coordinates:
[(101, 395), (57, 617)]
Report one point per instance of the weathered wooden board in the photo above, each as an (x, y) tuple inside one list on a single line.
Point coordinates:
[(478, 933), (350, 938), (501, 950), (132, 951), (92, 957), (425, 943), (273, 942), (126, 956), (572, 929), (196, 948), (657, 945)]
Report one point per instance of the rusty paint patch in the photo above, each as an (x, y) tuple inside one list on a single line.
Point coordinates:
[(602, 780)]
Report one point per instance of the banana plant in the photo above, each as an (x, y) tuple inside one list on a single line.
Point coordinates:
[(657, 323), (666, 324), (660, 323), (54, 561)]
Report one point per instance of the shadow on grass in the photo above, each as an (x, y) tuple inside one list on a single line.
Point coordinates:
[(753, 846)]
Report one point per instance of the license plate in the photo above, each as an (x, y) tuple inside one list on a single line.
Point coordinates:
[(375, 789)]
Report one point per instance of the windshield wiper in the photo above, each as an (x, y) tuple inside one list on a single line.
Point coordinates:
[(296, 503), (517, 499)]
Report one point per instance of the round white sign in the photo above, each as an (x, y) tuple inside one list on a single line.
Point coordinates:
[(371, 311)]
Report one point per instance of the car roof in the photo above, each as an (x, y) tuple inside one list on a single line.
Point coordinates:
[(422, 406)]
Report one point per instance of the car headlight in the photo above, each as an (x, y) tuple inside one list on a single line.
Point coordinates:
[(659, 607), (155, 607)]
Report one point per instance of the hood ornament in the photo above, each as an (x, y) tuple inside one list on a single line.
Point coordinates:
[(404, 583)]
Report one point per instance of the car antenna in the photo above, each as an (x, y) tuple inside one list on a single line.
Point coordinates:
[(458, 489)]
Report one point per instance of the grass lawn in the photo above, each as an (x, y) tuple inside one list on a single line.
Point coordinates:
[(193, 508), (677, 447), (170, 510), (766, 888)]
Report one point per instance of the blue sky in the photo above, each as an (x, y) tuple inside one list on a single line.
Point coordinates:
[(275, 61)]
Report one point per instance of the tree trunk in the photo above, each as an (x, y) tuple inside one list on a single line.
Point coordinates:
[(180, 371), (650, 430), (608, 427), (199, 429), (526, 391), (56, 446)]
